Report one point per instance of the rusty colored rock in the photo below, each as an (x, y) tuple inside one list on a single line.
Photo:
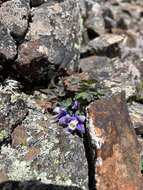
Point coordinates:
[(117, 148), (3, 176), (19, 136), (32, 153)]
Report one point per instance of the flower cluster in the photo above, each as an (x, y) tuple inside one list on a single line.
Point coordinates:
[(73, 123)]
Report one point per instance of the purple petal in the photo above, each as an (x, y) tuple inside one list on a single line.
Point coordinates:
[(60, 112), (65, 120), (81, 118), (80, 128)]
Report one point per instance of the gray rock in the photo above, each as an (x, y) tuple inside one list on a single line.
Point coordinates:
[(48, 154), (94, 18), (54, 35), (116, 74), (136, 115), (107, 44), (11, 114), (8, 48), (14, 15)]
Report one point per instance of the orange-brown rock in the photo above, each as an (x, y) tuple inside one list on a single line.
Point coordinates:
[(117, 149), (19, 136), (32, 153), (3, 175)]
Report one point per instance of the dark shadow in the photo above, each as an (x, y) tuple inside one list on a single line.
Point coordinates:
[(90, 153), (33, 185)]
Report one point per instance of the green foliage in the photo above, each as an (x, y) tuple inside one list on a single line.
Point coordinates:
[(89, 90)]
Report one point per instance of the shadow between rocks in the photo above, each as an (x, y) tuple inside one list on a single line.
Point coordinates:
[(91, 159), (33, 185)]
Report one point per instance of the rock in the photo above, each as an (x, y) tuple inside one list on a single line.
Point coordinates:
[(115, 74), (94, 20), (52, 40), (49, 154), (107, 44), (72, 82), (3, 176), (11, 114), (14, 15), (34, 185), (136, 115), (8, 49), (116, 146), (19, 137)]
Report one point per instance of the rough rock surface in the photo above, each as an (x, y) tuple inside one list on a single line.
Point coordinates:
[(106, 45), (53, 38), (136, 115), (115, 74), (8, 49), (34, 185), (14, 15), (12, 112), (39, 38), (40, 149), (117, 148)]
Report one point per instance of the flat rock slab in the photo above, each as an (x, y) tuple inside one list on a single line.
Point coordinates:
[(102, 43), (41, 150), (117, 148), (117, 75)]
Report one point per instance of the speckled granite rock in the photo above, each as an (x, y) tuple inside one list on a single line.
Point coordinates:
[(136, 115), (12, 112), (8, 49), (41, 150), (14, 15), (116, 74)]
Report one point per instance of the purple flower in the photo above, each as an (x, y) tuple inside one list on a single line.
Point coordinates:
[(74, 123), (77, 123), (60, 112), (81, 118), (75, 105), (65, 120), (80, 128)]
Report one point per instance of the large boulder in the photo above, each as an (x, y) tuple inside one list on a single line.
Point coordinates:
[(115, 144), (14, 15), (52, 39), (39, 148)]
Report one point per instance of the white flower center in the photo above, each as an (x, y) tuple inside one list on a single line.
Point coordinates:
[(72, 125)]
